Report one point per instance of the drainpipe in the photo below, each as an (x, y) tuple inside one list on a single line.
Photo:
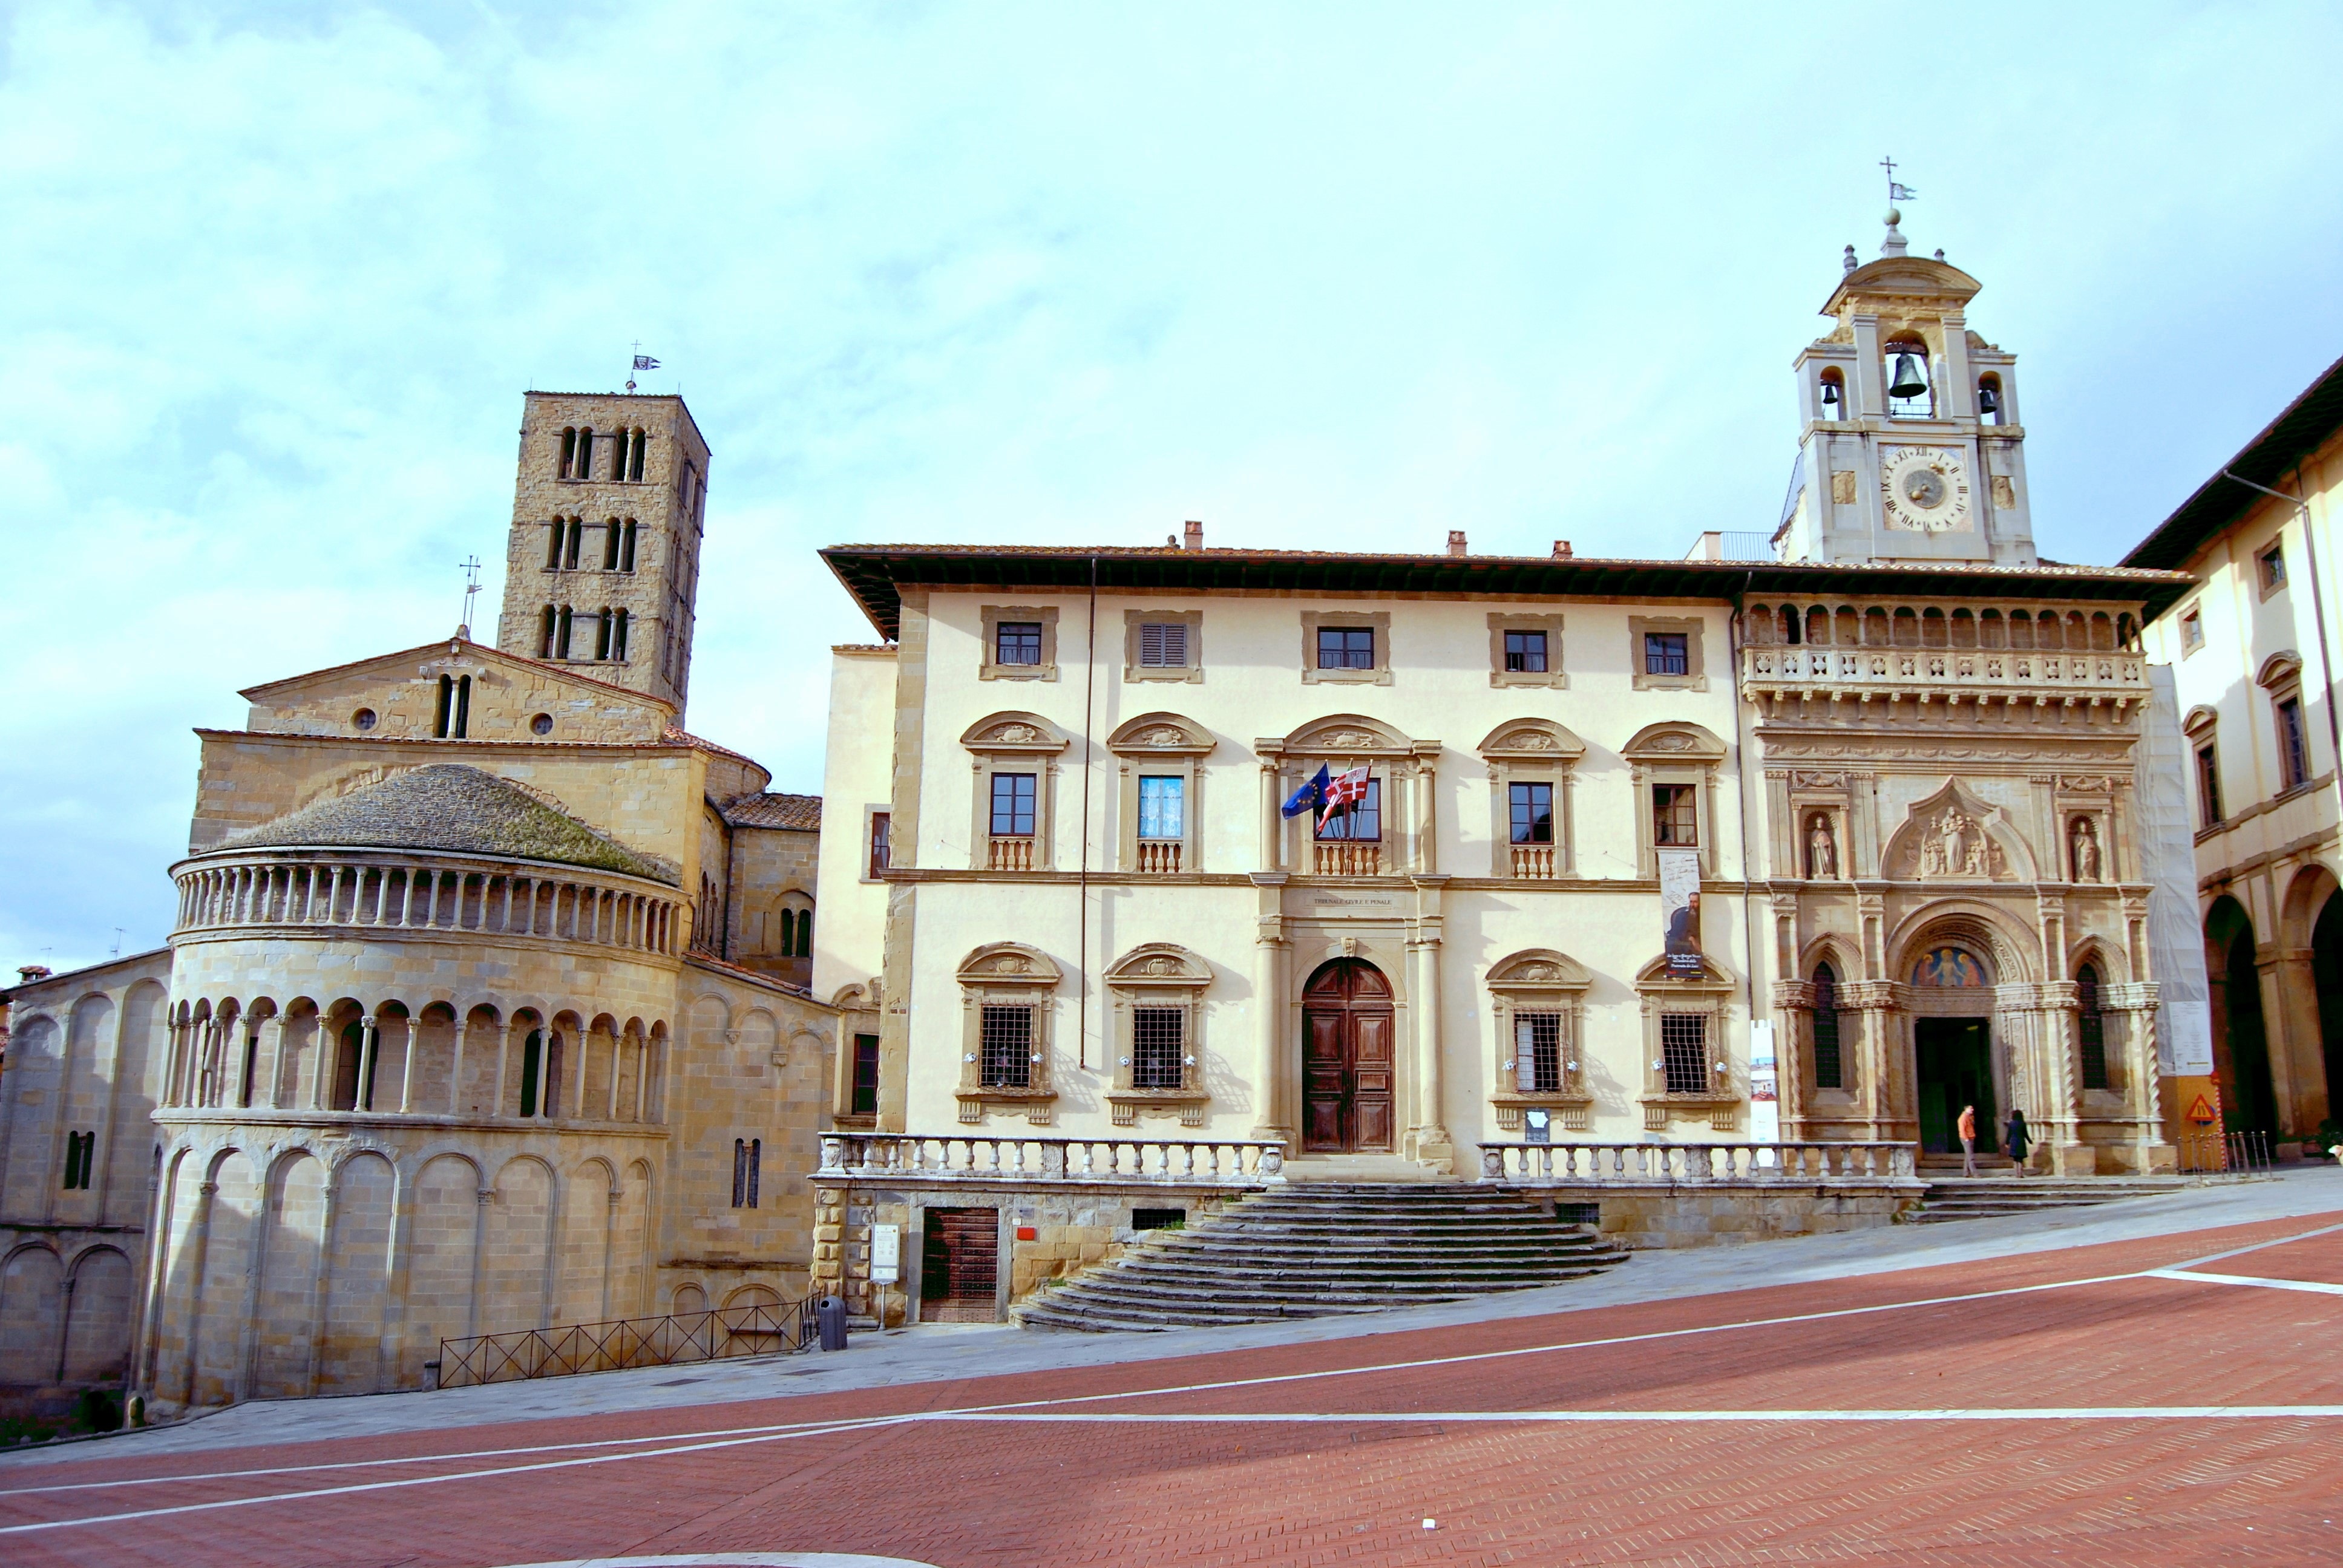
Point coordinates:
[(1748, 925), (1082, 881), (2319, 612)]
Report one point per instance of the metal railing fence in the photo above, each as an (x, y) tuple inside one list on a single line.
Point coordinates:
[(675, 1340), (2212, 1153)]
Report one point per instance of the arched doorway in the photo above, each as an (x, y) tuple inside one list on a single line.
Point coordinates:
[(2241, 1034), (1347, 1059), (2327, 973), (1952, 1044)]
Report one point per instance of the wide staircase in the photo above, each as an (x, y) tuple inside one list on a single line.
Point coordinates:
[(1998, 1190), (1324, 1249)]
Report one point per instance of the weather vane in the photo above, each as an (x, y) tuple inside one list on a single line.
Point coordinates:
[(1895, 193), (471, 565), (642, 362)]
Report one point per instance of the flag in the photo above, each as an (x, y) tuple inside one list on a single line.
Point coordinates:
[(645, 362), (1346, 794), (1310, 795), (1900, 193)]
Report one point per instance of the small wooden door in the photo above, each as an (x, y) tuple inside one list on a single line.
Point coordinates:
[(959, 1261), (1347, 1059)]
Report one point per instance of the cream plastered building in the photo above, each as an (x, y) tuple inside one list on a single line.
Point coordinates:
[(1103, 976), (483, 1010), (2253, 650)]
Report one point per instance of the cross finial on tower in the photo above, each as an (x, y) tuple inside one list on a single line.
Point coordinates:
[(471, 565)]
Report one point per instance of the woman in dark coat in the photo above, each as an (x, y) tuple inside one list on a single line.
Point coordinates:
[(2015, 1136)]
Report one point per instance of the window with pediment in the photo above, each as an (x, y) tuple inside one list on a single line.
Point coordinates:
[(1531, 764), (1159, 764), (1537, 1003), (1008, 1014), (1690, 1068), (1673, 768), (1015, 761), (1156, 997)]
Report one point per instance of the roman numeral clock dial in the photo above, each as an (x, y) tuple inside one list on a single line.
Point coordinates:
[(1926, 488)]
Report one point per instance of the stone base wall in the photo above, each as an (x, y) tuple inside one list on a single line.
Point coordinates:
[(1664, 1214), (1073, 1227)]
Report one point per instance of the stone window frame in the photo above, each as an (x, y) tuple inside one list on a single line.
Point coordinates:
[(1710, 997), (1013, 742), (1191, 672), (1158, 974), (1379, 620), (1795, 998), (1540, 979), (2201, 730), (1675, 752), (1532, 751), (1695, 676), (1552, 677), (992, 617), (1163, 745), (2280, 676), (2274, 551), (1007, 974), (2190, 619)]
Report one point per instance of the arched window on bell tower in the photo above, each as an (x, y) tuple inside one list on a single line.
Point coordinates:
[(1832, 401), (1991, 406), (1909, 394)]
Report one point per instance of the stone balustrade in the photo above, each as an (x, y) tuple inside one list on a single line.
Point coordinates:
[(898, 1156), (1694, 1164), (2093, 673), (421, 892)]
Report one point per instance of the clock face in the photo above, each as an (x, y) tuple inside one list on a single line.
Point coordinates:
[(1926, 488)]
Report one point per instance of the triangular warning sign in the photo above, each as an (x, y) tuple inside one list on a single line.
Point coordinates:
[(2200, 1110)]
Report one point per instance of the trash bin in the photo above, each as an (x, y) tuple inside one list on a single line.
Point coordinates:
[(830, 1316)]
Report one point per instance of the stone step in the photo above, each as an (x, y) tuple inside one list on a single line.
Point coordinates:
[(1331, 1248)]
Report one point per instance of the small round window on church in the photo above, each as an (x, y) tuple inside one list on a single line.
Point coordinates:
[(362, 719), (541, 725)]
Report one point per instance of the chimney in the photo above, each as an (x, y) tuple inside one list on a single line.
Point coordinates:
[(31, 972), (1456, 542), (1562, 549), (1194, 539)]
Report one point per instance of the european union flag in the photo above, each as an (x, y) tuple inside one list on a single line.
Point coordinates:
[(1311, 796)]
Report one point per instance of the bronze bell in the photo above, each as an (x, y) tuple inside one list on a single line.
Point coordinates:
[(1908, 381), (1988, 401)]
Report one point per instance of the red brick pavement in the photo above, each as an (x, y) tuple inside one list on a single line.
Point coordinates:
[(1348, 1491)]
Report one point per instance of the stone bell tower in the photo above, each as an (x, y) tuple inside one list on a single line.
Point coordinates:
[(1910, 446), (602, 566)]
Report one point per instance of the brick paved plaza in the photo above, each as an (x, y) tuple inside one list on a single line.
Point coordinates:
[(2168, 1398)]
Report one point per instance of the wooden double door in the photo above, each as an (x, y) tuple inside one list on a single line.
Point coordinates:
[(1347, 1062)]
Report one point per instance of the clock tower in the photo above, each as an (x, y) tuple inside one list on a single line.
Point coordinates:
[(1910, 448)]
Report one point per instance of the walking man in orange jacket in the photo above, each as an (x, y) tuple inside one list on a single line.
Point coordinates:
[(1968, 1139)]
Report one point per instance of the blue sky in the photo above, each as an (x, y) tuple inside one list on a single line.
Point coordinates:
[(1333, 276)]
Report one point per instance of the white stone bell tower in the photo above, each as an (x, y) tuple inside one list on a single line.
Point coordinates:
[(1910, 446)]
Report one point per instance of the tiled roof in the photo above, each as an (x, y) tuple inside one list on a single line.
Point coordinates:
[(775, 809), (875, 573), (455, 809)]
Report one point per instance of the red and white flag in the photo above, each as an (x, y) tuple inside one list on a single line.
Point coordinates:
[(1345, 794)]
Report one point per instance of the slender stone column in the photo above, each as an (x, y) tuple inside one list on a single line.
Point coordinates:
[(369, 1038), (504, 1055), (1273, 1122), (276, 1086), (407, 1066), (456, 1063)]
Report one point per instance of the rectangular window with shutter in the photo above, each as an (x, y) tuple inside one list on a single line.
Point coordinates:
[(1162, 807), (1164, 645)]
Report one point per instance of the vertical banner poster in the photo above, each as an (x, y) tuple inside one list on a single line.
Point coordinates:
[(1764, 1095), (1680, 909)]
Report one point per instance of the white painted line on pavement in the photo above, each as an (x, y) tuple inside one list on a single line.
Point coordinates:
[(2196, 1277)]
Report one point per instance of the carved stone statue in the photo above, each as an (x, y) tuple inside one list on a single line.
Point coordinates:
[(1951, 828), (2087, 850), (1932, 858), (1974, 864), (1822, 850)]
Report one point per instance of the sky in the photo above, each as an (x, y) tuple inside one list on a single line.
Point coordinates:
[(1322, 275)]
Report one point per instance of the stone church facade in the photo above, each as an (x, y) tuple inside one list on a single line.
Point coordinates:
[(485, 1009)]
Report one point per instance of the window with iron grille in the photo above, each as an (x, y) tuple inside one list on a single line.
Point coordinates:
[(1363, 823), (1525, 652), (1533, 812), (1829, 1074), (1012, 804), (1005, 1047), (1159, 1040), (1675, 816), (1162, 807), (1684, 1051), (1667, 653), (1537, 1052), (2090, 1026), (1346, 647), (1164, 645), (1017, 642)]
